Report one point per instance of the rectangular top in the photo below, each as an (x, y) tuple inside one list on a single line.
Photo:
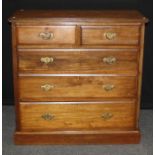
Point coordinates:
[(76, 15)]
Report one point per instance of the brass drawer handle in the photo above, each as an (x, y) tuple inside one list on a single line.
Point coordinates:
[(107, 116), (108, 87), (46, 60), (47, 116), (46, 35), (47, 87), (110, 35), (109, 60)]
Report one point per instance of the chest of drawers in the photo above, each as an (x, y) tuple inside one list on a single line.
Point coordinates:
[(77, 76)]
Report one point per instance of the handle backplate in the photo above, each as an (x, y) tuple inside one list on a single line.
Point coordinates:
[(46, 35), (47, 87), (108, 87), (47, 116), (46, 60), (110, 60), (106, 116), (110, 35)]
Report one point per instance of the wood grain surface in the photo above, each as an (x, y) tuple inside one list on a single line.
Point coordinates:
[(79, 86), (123, 35), (60, 35), (82, 61), (111, 137), (97, 16), (77, 116)]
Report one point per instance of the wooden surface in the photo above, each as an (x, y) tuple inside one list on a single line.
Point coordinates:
[(84, 61), (61, 35), (70, 86), (103, 137), (105, 15), (15, 75), (140, 69), (96, 35), (77, 116), (95, 70)]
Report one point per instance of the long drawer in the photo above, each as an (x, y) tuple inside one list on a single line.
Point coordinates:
[(106, 61), (77, 116), (110, 35), (52, 88), (45, 35)]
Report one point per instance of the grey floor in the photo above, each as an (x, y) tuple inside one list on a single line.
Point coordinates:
[(144, 148)]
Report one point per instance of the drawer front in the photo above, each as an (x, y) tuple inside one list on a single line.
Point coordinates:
[(110, 35), (84, 116), (53, 35), (59, 61), (58, 87)]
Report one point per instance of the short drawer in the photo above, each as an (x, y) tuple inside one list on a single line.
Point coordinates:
[(77, 116), (53, 88), (42, 35), (78, 61), (110, 35)]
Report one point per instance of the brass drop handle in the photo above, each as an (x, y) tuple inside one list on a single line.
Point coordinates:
[(47, 87), (110, 35), (46, 35), (108, 87), (109, 60), (46, 60), (47, 116), (106, 116)]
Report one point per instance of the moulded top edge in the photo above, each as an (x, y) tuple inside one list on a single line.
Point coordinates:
[(77, 15)]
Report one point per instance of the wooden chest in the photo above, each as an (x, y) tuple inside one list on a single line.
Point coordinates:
[(77, 76)]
